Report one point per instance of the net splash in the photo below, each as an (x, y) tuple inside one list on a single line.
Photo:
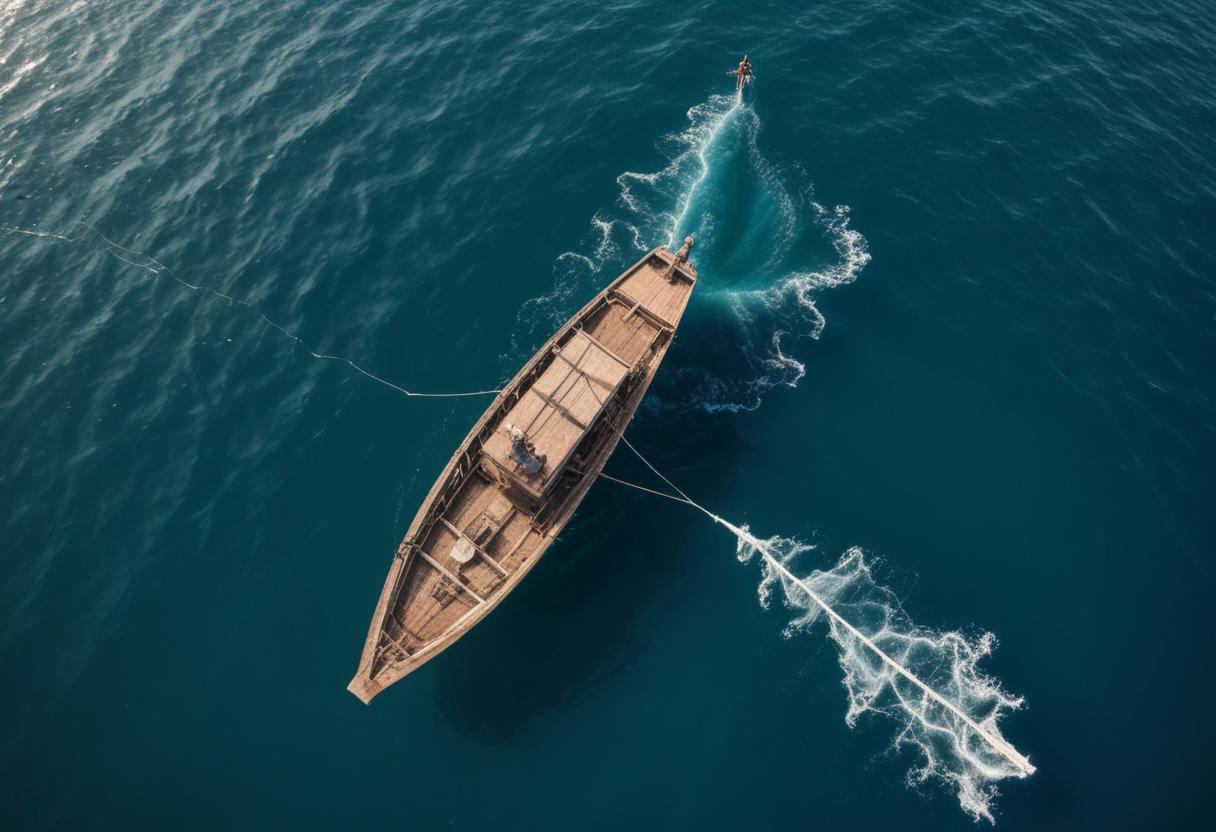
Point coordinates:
[(966, 751)]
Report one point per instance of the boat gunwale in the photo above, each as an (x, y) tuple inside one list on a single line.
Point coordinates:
[(426, 516)]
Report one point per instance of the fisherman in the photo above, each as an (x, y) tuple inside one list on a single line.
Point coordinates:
[(523, 451), (680, 259), (682, 254), (743, 74)]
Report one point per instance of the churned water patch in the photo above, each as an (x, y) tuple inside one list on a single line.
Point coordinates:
[(765, 249), (950, 751)]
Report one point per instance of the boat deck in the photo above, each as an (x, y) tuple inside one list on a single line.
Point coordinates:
[(485, 523), (558, 410)]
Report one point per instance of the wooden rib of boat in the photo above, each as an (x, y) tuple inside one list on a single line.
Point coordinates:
[(517, 478)]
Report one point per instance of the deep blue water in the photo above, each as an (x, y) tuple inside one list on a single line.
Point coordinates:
[(957, 308)]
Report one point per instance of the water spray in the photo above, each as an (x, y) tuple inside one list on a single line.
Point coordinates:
[(686, 203), (1006, 750), (1010, 753)]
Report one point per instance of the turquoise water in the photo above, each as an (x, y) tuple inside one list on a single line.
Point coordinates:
[(955, 331)]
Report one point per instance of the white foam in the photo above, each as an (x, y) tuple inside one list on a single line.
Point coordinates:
[(753, 249), (699, 149), (789, 369), (967, 754)]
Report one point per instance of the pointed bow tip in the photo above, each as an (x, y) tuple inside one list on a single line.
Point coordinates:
[(364, 689)]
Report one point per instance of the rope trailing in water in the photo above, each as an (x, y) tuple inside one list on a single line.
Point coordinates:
[(154, 266), (1010, 753), (1005, 749)]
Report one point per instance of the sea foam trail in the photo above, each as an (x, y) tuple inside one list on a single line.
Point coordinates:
[(954, 727), (766, 250), (765, 247), (927, 681)]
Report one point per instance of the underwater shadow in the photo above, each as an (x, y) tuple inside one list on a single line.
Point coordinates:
[(573, 622)]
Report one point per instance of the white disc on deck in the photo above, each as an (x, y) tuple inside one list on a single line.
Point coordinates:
[(463, 551)]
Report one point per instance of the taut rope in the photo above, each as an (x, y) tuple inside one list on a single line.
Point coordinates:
[(1001, 746), (154, 266)]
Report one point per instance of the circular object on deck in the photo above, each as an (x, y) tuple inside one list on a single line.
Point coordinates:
[(463, 551)]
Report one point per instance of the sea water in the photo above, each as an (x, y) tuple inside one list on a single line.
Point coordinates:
[(952, 344)]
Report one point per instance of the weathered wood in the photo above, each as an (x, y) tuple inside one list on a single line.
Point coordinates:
[(455, 580), (606, 351), (481, 553), (597, 367)]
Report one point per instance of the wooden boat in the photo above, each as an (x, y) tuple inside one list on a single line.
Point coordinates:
[(517, 478)]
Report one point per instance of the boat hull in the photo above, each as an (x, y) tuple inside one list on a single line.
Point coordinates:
[(487, 521)]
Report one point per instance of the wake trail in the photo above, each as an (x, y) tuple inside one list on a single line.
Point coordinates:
[(927, 682), (956, 748), (153, 266), (701, 150), (999, 744), (767, 249)]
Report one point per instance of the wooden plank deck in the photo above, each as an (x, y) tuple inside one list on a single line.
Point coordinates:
[(557, 410), (604, 357)]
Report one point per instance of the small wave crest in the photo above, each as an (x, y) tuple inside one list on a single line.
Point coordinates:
[(949, 752), (765, 248)]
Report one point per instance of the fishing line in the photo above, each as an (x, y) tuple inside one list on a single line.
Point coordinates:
[(14, 230), (1006, 750), (154, 266), (604, 476)]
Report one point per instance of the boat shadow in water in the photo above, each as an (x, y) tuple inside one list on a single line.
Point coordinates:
[(572, 624)]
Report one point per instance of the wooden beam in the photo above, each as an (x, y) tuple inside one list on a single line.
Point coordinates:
[(497, 567), (450, 576), (480, 551), (603, 349), (401, 573), (646, 312), (585, 375), (515, 546), (405, 653), (443, 637), (560, 408)]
